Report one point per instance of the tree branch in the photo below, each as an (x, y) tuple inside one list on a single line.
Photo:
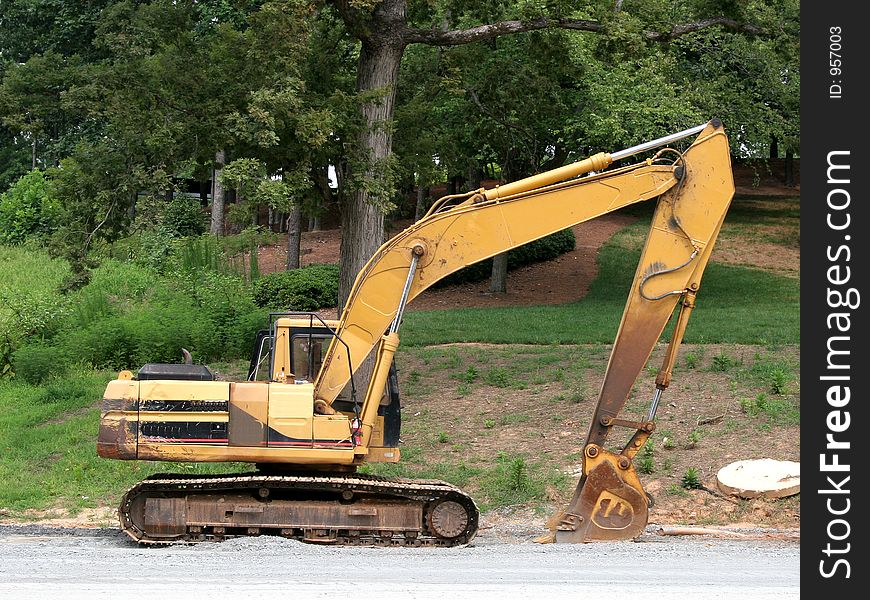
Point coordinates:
[(457, 37)]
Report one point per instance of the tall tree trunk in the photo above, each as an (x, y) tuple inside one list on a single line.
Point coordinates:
[(789, 167), (362, 223), (218, 199), (33, 161), (498, 280), (294, 237), (774, 147)]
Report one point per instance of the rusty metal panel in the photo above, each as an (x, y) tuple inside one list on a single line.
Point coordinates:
[(118, 435), (165, 516), (245, 511), (249, 413)]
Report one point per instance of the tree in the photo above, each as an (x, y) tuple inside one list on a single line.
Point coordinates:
[(384, 30)]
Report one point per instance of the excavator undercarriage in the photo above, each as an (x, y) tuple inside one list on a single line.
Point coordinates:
[(345, 509)]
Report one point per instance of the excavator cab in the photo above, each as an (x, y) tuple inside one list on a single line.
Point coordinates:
[(308, 336)]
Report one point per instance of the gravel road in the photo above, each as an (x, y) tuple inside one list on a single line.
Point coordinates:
[(40, 562)]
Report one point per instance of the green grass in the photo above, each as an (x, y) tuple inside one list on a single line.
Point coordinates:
[(29, 300), (48, 456), (737, 305)]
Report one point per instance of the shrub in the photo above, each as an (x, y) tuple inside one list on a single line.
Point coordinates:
[(182, 217), (250, 236), (546, 248), (28, 209), (308, 288)]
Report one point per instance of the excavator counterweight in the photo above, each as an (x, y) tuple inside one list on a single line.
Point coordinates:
[(307, 421)]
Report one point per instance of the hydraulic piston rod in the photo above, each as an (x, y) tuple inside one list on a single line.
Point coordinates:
[(596, 162)]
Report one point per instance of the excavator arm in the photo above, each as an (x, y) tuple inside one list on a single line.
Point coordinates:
[(694, 189)]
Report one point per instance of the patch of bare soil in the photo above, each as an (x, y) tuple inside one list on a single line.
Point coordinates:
[(705, 421), (104, 516), (760, 255), (317, 248)]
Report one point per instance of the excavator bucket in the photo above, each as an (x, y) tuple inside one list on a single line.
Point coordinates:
[(608, 504)]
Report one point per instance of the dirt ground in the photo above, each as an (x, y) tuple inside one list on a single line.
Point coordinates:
[(703, 422)]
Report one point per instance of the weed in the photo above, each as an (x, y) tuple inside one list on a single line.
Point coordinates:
[(668, 466), (452, 360), (647, 465), (497, 377), (443, 438), (577, 397), (557, 418), (513, 419), (722, 362), (691, 359), (489, 423), (470, 374), (463, 389), (692, 439), (667, 440), (690, 480), (517, 474), (779, 379)]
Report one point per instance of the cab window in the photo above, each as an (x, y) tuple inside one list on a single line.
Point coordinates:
[(307, 353)]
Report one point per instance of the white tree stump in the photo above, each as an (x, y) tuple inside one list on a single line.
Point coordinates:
[(761, 478)]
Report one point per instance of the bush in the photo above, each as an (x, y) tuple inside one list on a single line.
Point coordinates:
[(28, 210), (546, 248), (308, 288), (183, 217)]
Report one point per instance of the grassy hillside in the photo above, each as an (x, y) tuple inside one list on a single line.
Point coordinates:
[(503, 416)]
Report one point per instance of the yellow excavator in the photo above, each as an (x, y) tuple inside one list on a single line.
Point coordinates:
[(306, 422)]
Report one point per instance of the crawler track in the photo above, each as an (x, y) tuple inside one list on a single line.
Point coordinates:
[(344, 509)]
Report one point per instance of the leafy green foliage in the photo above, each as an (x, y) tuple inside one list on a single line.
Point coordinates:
[(183, 217), (126, 316), (28, 210), (308, 288), (691, 480)]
